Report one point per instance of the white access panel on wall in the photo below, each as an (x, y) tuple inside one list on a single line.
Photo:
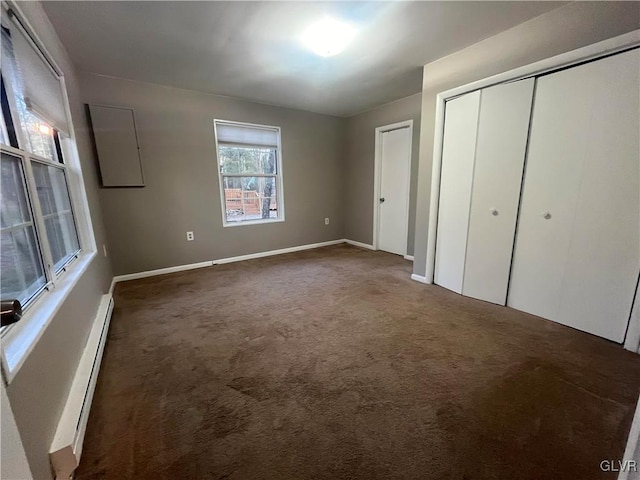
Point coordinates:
[(503, 128), (458, 152), (116, 140), (577, 251)]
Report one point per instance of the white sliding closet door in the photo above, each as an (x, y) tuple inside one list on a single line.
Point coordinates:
[(503, 128), (458, 152), (577, 251)]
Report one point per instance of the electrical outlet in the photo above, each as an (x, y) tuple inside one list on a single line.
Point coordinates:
[(326, 221), (104, 249), (189, 236)]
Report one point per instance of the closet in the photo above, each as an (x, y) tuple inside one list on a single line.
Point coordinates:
[(539, 203), (485, 138)]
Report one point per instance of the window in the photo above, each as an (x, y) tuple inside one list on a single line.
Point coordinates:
[(22, 266), (250, 173), (55, 204), (38, 230)]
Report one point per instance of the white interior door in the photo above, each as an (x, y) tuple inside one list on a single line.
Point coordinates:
[(456, 178), (503, 129), (393, 202), (577, 250)]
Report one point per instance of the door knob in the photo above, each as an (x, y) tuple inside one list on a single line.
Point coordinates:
[(382, 200), (546, 215), (494, 212)]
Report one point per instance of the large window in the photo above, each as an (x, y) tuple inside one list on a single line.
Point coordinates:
[(39, 238), (249, 165)]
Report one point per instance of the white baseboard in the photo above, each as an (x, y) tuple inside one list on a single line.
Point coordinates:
[(420, 278), (371, 247), (280, 251), (359, 244), (220, 261), (160, 271), (113, 285), (66, 448), (250, 256)]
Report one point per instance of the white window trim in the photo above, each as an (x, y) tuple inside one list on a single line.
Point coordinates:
[(18, 340), (260, 221), (279, 177)]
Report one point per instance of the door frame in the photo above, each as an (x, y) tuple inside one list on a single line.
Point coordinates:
[(377, 178), (611, 46)]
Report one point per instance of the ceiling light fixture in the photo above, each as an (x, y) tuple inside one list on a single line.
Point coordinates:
[(328, 37)]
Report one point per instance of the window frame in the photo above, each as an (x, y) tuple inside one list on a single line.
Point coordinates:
[(56, 270), (23, 160), (19, 339), (278, 175), (4, 129)]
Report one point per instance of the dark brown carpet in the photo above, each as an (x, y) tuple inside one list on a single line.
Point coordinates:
[(333, 364)]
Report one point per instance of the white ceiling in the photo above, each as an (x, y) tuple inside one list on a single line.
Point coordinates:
[(251, 50)]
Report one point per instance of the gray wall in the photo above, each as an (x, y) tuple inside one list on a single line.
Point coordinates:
[(564, 29), (147, 226), (38, 392), (359, 165)]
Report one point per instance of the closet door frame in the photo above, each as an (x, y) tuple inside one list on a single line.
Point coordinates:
[(591, 52)]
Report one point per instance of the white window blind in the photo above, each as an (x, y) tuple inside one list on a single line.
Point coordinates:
[(42, 88), (235, 134)]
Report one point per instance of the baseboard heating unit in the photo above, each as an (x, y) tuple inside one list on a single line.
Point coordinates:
[(66, 447)]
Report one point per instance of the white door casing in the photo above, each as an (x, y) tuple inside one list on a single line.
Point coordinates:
[(391, 200)]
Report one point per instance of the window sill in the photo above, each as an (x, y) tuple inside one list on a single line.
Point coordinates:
[(253, 222), (21, 338)]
